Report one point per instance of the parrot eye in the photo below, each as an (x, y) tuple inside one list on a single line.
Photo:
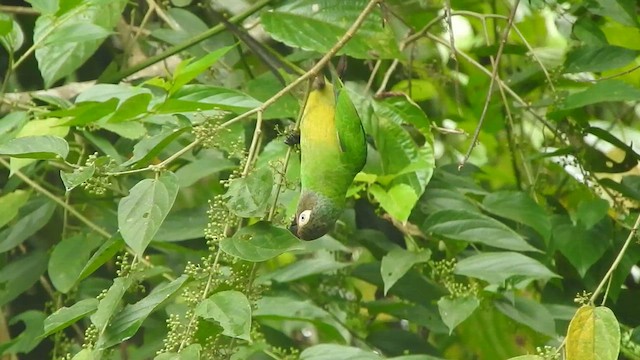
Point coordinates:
[(304, 217)]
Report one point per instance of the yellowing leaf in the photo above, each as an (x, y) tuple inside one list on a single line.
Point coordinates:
[(593, 334)]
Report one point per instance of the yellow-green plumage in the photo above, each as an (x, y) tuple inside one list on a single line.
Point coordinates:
[(333, 150)]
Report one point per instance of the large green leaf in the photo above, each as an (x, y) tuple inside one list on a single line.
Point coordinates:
[(189, 70), (34, 216), (602, 91), (285, 308), (333, 352), (220, 98), (127, 322), (519, 207), (583, 248), (598, 58), (141, 213), (456, 310), (498, 267), (67, 316), (57, 59), (259, 242), (622, 11), (397, 262), (303, 268), (249, 196), (530, 313), (474, 227), (68, 258), (317, 25), (231, 309), (29, 337), (36, 147), (11, 204), (19, 275)]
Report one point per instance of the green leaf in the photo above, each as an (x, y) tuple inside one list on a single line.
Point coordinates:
[(59, 59), (593, 334), (77, 177), (323, 264), (68, 259), (581, 247), (148, 148), (259, 242), (397, 262), (591, 211), (130, 108), (303, 268), (76, 32), (529, 313), (435, 199), (183, 224), (317, 25), (498, 267), (141, 213), (588, 31), (476, 228), (598, 58), (527, 357), (191, 352), (333, 352), (398, 201), (220, 98), (602, 91), (36, 147), (66, 316), (622, 11), (127, 322), (285, 308), (19, 275), (106, 251), (249, 196), (35, 215), (207, 163), (29, 337), (11, 37), (188, 70), (11, 124), (231, 309), (44, 6), (109, 302), (454, 311), (519, 207), (10, 204)]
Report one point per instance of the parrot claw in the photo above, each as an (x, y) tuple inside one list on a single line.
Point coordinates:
[(292, 138)]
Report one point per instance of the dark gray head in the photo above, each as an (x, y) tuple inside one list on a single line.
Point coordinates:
[(316, 216)]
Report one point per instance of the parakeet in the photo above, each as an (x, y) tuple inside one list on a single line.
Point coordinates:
[(333, 150)]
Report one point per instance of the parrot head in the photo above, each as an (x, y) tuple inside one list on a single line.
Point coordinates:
[(316, 216)]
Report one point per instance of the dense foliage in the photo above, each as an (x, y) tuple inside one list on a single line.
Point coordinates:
[(147, 190)]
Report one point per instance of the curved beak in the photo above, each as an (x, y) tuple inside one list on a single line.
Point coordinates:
[(294, 228)]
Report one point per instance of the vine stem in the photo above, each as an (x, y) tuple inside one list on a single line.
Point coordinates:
[(494, 75), (616, 262)]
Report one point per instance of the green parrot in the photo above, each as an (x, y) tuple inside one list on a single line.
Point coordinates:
[(333, 150)]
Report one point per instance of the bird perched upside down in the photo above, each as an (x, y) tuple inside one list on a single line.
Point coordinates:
[(333, 150)]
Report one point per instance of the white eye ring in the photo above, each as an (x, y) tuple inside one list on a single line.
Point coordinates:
[(304, 217)]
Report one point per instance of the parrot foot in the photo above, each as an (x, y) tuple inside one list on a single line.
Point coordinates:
[(292, 138)]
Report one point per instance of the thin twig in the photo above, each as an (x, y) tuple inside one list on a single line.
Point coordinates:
[(494, 74), (23, 10), (616, 262)]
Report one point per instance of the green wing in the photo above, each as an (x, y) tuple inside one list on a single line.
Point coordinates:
[(350, 133)]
